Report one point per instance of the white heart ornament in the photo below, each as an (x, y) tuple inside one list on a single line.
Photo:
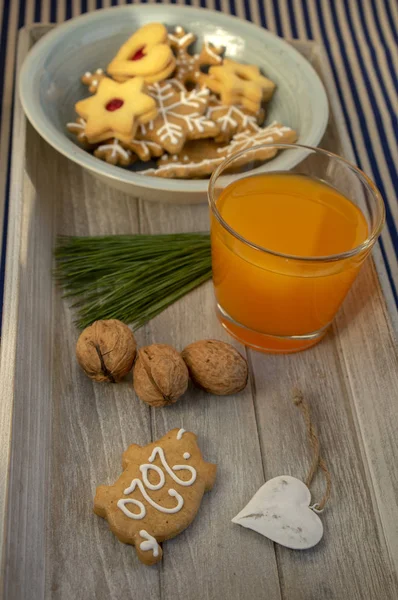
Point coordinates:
[(280, 511)]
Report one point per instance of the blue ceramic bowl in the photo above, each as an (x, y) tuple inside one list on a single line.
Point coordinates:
[(50, 84)]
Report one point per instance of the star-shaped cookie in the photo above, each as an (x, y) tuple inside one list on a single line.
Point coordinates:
[(238, 84), (116, 110)]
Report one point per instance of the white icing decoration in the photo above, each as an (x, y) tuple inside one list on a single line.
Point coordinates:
[(94, 82), (178, 29), (138, 483), (173, 132), (186, 157), (144, 470), (243, 141), (186, 455), (158, 450), (180, 431), (175, 157), (228, 118), (281, 511), (99, 71), (76, 125), (149, 543), (116, 149), (145, 483), (215, 56), (122, 505), (183, 41), (87, 74)]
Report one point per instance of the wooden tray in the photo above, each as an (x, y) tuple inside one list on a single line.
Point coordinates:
[(68, 434)]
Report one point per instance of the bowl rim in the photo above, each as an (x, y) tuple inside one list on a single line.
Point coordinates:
[(71, 150)]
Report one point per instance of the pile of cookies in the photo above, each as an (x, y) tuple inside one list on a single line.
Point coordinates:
[(188, 111)]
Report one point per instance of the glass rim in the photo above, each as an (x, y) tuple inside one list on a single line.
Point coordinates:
[(367, 243)]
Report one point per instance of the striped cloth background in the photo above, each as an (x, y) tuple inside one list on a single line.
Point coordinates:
[(361, 40)]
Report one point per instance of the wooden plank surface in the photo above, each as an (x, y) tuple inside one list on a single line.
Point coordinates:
[(68, 433)]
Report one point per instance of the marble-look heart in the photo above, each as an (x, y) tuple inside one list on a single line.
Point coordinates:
[(280, 511)]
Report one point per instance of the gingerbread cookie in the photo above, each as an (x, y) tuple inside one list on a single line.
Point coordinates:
[(116, 109), (199, 159), (146, 54), (188, 67), (145, 149), (232, 119), (78, 128), (91, 80), (114, 153), (238, 84), (181, 117), (158, 494)]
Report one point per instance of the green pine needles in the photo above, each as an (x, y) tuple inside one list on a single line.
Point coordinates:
[(130, 277)]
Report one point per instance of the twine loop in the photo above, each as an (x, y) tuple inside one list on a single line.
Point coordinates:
[(317, 460)]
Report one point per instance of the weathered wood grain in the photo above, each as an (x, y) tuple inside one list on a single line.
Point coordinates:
[(68, 433), (235, 565)]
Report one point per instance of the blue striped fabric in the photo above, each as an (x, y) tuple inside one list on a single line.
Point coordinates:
[(361, 41)]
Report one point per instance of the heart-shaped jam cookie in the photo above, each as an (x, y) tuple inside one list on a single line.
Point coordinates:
[(146, 54)]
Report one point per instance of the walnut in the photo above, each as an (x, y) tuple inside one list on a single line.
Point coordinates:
[(216, 367), (106, 350), (160, 375)]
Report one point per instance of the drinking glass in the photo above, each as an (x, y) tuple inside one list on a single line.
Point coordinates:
[(276, 302)]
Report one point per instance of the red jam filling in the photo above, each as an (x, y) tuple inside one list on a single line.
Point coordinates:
[(138, 54), (114, 104)]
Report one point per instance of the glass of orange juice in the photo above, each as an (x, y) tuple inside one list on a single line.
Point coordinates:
[(287, 245)]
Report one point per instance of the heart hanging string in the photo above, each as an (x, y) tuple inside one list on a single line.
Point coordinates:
[(317, 460), (281, 509)]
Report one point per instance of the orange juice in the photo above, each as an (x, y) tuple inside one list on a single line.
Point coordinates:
[(281, 291)]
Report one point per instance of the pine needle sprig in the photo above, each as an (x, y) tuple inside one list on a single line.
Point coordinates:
[(130, 277)]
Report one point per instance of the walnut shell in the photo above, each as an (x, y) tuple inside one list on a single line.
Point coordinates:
[(160, 375), (216, 367), (106, 350)]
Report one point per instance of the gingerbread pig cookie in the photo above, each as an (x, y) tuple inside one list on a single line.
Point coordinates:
[(158, 494), (188, 66), (116, 109), (146, 54), (181, 117), (238, 84)]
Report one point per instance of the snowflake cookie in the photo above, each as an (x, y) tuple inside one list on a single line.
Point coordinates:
[(78, 128), (114, 153), (188, 67), (199, 159), (232, 119), (181, 117), (158, 494)]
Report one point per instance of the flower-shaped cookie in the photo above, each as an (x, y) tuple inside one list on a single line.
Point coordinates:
[(187, 65), (146, 54), (238, 84), (116, 110)]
